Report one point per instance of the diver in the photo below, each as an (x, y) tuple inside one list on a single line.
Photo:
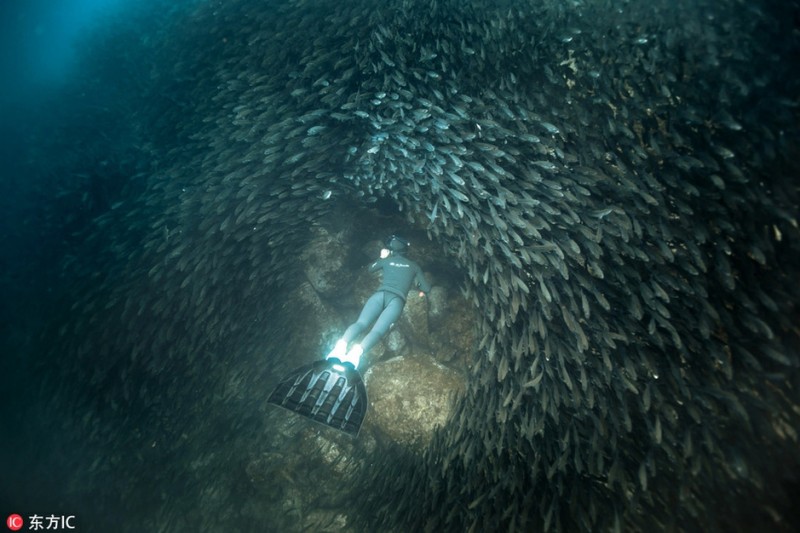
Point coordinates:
[(331, 391), (385, 306)]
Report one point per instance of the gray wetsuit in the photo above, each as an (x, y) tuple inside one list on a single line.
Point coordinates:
[(385, 306)]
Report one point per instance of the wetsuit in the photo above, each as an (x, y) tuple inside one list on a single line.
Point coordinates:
[(385, 306)]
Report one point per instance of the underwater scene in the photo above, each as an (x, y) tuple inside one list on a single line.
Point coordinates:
[(400, 265)]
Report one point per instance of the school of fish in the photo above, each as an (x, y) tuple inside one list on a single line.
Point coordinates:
[(613, 178)]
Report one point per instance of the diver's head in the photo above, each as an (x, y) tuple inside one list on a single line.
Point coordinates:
[(397, 245)]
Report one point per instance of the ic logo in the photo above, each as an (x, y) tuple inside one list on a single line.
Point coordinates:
[(14, 522)]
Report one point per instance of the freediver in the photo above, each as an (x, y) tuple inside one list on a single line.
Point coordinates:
[(384, 307), (331, 391)]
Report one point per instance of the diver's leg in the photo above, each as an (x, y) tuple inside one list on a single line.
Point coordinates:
[(371, 311), (388, 317)]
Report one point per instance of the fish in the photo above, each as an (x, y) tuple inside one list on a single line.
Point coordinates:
[(582, 170)]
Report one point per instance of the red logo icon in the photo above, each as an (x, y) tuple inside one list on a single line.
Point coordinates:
[(14, 522)]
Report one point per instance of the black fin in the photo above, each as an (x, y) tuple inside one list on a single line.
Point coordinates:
[(326, 391)]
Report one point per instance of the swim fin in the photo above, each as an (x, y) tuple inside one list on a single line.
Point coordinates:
[(326, 391)]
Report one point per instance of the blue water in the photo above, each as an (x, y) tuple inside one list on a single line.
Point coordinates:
[(39, 39)]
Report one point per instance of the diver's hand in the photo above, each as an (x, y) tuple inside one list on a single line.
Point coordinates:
[(384, 253)]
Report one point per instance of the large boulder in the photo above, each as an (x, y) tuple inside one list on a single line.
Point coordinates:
[(323, 263), (409, 397)]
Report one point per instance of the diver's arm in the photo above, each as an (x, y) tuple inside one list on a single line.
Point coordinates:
[(422, 283), (377, 265)]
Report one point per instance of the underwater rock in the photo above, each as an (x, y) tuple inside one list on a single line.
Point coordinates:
[(409, 397), (317, 318), (415, 320), (322, 262), (437, 305), (395, 343)]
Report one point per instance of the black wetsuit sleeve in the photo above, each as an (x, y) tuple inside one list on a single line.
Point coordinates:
[(422, 283), (377, 265)]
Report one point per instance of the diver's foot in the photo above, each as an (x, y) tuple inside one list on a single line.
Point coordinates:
[(339, 350), (353, 356)]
